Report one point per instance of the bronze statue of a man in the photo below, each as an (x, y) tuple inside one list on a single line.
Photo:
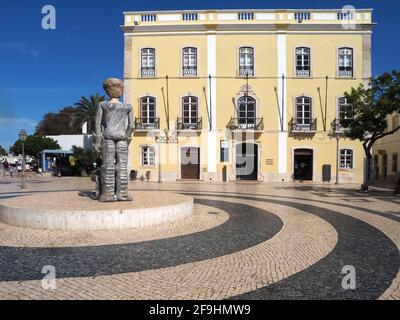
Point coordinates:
[(114, 127)]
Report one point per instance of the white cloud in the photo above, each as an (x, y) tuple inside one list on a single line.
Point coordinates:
[(19, 47)]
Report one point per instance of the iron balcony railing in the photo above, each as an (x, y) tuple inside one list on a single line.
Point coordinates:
[(340, 125), (303, 73), (303, 125), (148, 72), (144, 124), (256, 124), (189, 71), (345, 72), (246, 71), (188, 123)]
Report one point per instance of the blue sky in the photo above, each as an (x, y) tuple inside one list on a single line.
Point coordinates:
[(44, 71)]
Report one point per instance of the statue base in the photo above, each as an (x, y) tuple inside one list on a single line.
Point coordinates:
[(69, 211)]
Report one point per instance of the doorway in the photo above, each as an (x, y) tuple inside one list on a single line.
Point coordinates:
[(247, 161), (190, 163), (303, 164)]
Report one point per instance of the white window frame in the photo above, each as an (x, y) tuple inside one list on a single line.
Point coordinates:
[(346, 157), (147, 111), (303, 104), (303, 60), (193, 103), (147, 62), (148, 156), (191, 64), (246, 64), (346, 62)]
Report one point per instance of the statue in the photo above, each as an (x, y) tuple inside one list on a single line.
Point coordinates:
[(114, 127)]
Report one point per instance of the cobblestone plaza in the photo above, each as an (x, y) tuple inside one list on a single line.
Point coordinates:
[(243, 241)]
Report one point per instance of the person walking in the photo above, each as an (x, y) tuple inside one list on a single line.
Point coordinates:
[(6, 168)]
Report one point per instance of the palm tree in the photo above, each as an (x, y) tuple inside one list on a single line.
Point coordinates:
[(85, 111)]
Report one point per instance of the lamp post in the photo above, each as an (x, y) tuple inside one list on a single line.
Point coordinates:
[(22, 137)]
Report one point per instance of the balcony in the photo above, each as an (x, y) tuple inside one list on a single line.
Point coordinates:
[(345, 72), (303, 73), (303, 125), (255, 124), (246, 71), (189, 71), (146, 124), (149, 72), (189, 124), (340, 125)]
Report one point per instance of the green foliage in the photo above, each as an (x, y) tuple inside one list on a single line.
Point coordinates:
[(84, 160), (34, 145), (57, 123), (3, 151), (85, 111), (371, 108)]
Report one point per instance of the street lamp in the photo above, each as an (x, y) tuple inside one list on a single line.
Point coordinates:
[(22, 137)]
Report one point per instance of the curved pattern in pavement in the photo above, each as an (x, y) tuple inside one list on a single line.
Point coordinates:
[(373, 254), (246, 227)]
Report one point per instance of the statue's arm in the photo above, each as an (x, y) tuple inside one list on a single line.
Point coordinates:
[(131, 123), (98, 131)]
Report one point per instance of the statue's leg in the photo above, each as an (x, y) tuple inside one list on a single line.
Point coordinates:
[(108, 171), (122, 171)]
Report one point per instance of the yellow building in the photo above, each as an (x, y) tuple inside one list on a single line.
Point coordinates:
[(386, 155), (226, 95)]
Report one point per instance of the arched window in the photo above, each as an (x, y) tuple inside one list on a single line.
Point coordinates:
[(247, 112), (303, 62), (190, 113), (345, 64), (189, 56), (148, 112), (148, 62), (303, 120), (246, 61)]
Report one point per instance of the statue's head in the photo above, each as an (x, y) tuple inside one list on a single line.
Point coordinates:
[(113, 87)]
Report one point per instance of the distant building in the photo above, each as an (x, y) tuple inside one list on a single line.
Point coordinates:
[(66, 141), (387, 155)]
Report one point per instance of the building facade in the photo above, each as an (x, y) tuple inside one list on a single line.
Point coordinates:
[(386, 155), (228, 95)]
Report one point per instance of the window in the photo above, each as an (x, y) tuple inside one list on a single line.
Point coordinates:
[(395, 162), (246, 61), (303, 111), (148, 62), (148, 156), (303, 62), (247, 112), (189, 62), (345, 62), (344, 113), (148, 110), (346, 159), (224, 156), (190, 110)]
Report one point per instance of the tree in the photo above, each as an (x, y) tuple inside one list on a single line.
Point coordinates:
[(3, 151), (85, 111), (371, 108), (84, 160), (35, 144), (57, 123)]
